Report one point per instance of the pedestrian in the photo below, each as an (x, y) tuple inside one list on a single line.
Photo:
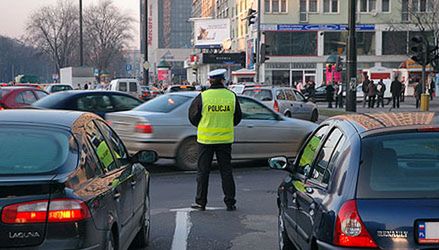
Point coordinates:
[(86, 86), (299, 87), (311, 90), (431, 90), (418, 93), (364, 88), (330, 94), (403, 84), (395, 89), (215, 112), (381, 89), (338, 95), (371, 93)]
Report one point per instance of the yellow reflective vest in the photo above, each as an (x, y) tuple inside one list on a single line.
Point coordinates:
[(216, 124)]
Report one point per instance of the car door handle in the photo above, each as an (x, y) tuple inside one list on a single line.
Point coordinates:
[(116, 196), (250, 126)]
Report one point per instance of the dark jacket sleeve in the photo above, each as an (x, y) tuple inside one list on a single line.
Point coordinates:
[(195, 111), (237, 117)]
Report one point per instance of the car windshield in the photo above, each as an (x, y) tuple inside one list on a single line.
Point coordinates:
[(401, 165), (259, 94), (33, 150), (50, 101), (58, 88), (163, 104)]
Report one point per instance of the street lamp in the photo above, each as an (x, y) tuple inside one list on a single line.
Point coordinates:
[(81, 49)]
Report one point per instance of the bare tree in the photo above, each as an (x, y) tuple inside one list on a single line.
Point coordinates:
[(424, 15), (107, 31), (54, 30)]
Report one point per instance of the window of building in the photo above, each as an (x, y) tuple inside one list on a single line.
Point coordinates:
[(275, 6), (335, 42), (330, 6), (368, 5), (267, 6), (394, 42), (312, 6), (366, 43), (385, 5), (422, 5), (292, 43)]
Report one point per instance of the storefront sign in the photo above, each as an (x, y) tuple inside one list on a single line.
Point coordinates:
[(315, 27), (296, 65), (223, 58)]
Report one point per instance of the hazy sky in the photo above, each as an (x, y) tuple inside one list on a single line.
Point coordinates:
[(15, 13)]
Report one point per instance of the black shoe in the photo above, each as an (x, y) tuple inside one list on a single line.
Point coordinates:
[(198, 207), (231, 208)]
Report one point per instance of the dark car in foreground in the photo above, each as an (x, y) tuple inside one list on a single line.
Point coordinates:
[(95, 101), (67, 182), (363, 181), (19, 97)]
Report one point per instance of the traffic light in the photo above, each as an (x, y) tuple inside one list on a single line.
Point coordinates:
[(264, 52), (418, 48), (251, 16), (339, 64), (243, 60)]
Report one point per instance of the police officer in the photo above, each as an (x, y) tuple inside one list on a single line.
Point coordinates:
[(215, 112)]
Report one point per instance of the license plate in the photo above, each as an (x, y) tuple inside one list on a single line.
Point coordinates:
[(428, 232)]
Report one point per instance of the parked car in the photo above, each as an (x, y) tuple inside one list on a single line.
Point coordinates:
[(68, 182), (179, 88), (58, 87), (162, 124), (286, 101), (98, 102), (363, 181), (149, 92), (239, 88), (130, 86), (19, 97)]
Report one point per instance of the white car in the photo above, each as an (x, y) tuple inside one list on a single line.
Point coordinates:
[(53, 88), (130, 86)]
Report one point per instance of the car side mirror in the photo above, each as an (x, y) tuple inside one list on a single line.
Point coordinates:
[(145, 157), (280, 163)]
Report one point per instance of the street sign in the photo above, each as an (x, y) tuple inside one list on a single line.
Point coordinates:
[(146, 65), (129, 67)]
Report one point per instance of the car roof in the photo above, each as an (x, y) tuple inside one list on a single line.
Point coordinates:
[(85, 92), (367, 124), (43, 117), (17, 87)]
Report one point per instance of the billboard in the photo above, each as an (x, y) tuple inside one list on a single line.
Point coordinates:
[(210, 33)]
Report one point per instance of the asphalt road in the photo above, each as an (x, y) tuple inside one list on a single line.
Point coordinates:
[(252, 226)]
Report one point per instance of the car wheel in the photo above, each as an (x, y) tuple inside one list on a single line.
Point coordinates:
[(284, 242), (111, 242), (187, 155), (288, 114), (314, 115), (142, 237)]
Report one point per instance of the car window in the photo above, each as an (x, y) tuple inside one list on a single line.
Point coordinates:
[(306, 158), (290, 95), (58, 88), (94, 103), (399, 166), (26, 97), (259, 94), (123, 86), (100, 146), (121, 102), (115, 143), (280, 95), (255, 111), (324, 156), (299, 96), (164, 103), (332, 163), (133, 86), (40, 94)]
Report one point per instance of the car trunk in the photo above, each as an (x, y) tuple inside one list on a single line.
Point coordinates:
[(401, 223), (15, 190)]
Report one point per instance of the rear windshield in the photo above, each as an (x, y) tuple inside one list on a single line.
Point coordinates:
[(123, 87), (403, 165), (58, 88), (259, 94), (182, 88), (133, 86), (163, 104), (34, 150)]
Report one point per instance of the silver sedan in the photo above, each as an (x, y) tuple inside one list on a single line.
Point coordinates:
[(162, 125)]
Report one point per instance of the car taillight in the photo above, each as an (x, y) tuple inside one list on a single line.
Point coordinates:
[(276, 106), (60, 210), (350, 230), (144, 128)]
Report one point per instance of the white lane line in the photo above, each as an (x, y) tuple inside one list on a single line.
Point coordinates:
[(182, 230), (183, 226)]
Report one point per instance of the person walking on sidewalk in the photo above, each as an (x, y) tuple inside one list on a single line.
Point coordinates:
[(371, 92), (215, 112), (381, 89), (395, 89), (364, 88), (330, 94), (418, 93), (431, 90)]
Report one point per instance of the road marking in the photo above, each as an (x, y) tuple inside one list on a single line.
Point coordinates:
[(183, 226)]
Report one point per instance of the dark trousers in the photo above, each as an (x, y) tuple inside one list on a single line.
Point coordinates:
[(371, 101), (380, 100), (418, 100), (395, 101), (224, 156)]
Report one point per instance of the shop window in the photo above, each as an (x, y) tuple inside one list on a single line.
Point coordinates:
[(292, 43), (281, 77), (394, 43), (335, 42), (366, 43)]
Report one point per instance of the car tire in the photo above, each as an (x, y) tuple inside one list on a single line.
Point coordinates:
[(288, 114), (187, 155), (284, 242), (142, 237), (314, 115), (111, 244)]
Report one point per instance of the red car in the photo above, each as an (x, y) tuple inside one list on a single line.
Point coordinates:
[(19, 97)]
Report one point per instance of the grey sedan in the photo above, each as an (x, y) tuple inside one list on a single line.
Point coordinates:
[(162, 125)]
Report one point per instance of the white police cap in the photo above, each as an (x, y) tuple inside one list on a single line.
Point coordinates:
[(218, 73)]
